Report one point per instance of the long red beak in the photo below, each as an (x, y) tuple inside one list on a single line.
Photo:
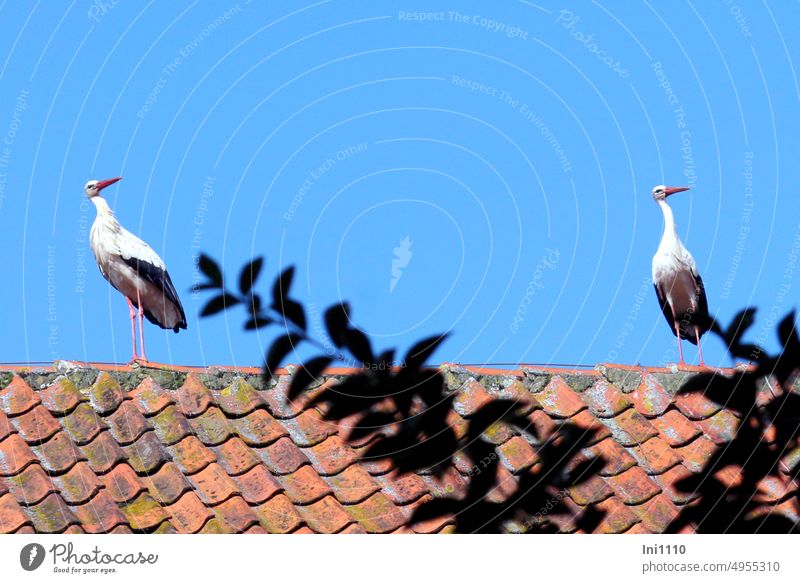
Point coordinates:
[(673, 189), (103, 183)]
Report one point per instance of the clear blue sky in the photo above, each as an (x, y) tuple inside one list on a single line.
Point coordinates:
[(514, 144)]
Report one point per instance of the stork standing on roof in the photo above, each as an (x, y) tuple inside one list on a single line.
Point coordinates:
[(134, 269), (679, 287)]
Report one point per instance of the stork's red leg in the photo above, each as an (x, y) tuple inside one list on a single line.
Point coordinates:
[(699, 347), (141, 328), (133, 327), (680, 348)]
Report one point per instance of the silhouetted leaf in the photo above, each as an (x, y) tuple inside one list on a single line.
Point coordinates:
[(307, 373), (371, 423), (436, 508), (211, 270), (293, 312), (358, 345), (422, 351), (204, 286), (741, 322), (219, 303), (258, 322), (787, 333), (277, 352), (250, 274), (496, 411), (337, 321), (282, 285)]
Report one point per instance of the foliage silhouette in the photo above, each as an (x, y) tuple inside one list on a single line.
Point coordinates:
[(768, 408), (405, 413)]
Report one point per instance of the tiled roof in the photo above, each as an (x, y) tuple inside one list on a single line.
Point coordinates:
[(166, 450)]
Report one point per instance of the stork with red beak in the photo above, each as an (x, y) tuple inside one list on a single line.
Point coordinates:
[(678, 285), (134, 269)]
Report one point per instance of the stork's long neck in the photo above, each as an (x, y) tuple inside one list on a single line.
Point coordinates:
[(104, 213), (670, 235)]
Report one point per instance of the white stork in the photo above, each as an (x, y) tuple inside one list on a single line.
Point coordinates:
[(133, 268), (678, 285)]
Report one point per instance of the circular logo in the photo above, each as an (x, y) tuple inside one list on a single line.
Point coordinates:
[(31, 556)]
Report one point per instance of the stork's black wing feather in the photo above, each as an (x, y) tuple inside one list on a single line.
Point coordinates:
[(665, 308), (702, 317), (159, 278)]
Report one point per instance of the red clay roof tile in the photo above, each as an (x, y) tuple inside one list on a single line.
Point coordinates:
[(517, 454), (191, 455), (630, 428), (331, 456), (355, 485), (105, 394), (103, 453), (12, 516), (144, 513), (721, 427), (325, 516), (258, 428), (37, 425), (282, 457), (31, 485), (149, 398), (61, 397), (402, 489), (78, 485), (655, 456), (167, 484), (146, 454), (278, 515), (594, 430), (122, 483), (193, 397), (247, 461), (126, 423), (170, 425), (188, 513), (213, 485), (633, 486), (650, 398), (676, 428), (15, 455), (83, 424), (236, 514), (471, 397), (696, 405), (697, 453), (605, 400), (235, 456), (304, 486), (257, 485), (211, 427), (51, 515), (377, 514), (17, 397), (559, 400)]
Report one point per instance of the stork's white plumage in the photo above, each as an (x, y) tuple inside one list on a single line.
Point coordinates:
[(133, 268), (679, 287)]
